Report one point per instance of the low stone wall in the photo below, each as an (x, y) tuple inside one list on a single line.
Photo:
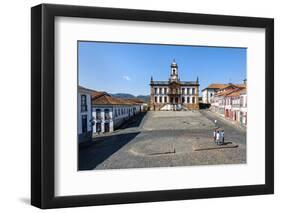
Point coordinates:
[(157, 107), (192, 106)]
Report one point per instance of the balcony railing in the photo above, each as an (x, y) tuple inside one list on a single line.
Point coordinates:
[(174, 93), (107, 117), (236, 105), (160, 93)]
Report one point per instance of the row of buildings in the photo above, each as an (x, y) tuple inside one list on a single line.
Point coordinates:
[(229, 100), (99, 112), (174, 94)]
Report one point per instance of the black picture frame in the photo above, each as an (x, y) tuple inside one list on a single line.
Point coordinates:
[(43, 102)]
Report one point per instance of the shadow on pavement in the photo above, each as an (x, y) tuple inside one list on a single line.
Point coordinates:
[(226, 143), (102, 148), (134, 121)]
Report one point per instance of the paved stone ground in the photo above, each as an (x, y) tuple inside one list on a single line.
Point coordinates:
[(164, 139)]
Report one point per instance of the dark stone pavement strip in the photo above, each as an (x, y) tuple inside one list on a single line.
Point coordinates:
[(214, 146), (139, 147)]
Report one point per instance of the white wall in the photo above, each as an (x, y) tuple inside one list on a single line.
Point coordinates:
[(88, 113), (205, 96), (208, 95), (15, 80)]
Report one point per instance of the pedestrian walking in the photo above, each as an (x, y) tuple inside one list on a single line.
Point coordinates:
[(217, 137), (214, 135), (222, 136)]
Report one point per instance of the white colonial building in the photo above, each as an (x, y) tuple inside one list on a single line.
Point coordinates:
[(231, 102), (243, 107), (209, 92), (84, 114), (109, 113)]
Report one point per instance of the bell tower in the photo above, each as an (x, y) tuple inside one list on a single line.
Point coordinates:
[(174, 72)]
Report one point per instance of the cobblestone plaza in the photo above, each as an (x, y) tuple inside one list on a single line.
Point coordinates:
[(165, 139)]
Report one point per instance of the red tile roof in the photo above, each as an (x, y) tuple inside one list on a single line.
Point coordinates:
[(84, 89), (227, 92), (237, 93), (102, 98), (96, 94), (135, 100), (239, 85), (217, 86), (223, 86), (106, 100)]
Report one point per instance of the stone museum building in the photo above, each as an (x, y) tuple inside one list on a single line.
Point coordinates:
[(174, 94)]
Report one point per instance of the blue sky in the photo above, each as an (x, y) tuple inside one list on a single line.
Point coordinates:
[(127, 68)]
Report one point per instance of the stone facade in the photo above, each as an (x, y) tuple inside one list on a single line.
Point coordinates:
[(174, 94)]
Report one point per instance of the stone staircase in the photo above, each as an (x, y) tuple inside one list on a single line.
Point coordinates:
[(173, 107)]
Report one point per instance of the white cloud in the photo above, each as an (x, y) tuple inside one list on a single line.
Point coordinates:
[(126, 78)]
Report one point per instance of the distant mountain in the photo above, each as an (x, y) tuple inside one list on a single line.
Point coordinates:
[(122, 95), (128, 96), (144, 97)]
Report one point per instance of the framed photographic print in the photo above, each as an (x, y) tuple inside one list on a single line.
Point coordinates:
[(139, 106)]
